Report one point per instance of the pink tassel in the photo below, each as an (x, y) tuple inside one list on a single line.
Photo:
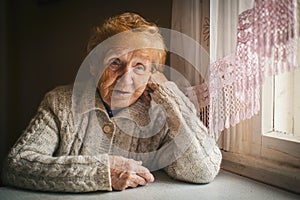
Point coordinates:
[(227, 125), (237, 118), (232, 120), (242, 114)]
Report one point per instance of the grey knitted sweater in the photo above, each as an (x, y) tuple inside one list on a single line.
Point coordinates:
[(66, 151)]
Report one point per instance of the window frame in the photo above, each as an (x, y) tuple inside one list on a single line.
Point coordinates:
[(270, 137)]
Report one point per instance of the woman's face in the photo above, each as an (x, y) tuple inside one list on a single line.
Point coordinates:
[(125, 76)]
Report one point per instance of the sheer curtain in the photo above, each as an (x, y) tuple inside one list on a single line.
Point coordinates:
[(264, 43), (191, 17), (223, 40), (213, 24), (248, 40), (224, 21)]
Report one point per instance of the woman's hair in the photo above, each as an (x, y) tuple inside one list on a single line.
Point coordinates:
[(125, 22)]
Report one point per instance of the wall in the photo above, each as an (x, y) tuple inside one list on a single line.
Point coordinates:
[(42, 46)]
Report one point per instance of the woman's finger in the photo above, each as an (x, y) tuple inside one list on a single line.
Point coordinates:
[(129, 179), (139, 180), (135, 180), (147, 176), (141, 171)]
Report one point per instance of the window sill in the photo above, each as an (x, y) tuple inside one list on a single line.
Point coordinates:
[(264, 170), (282, 142)]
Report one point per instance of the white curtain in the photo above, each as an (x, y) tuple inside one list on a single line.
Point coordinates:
[(223, 39), (224, 22), (191, 17), (213, 24), (249, 40)]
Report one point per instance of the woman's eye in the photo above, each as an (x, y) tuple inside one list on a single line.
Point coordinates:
[(115, 65), (139, 67)]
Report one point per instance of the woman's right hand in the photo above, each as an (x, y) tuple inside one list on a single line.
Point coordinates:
[(128, 173)]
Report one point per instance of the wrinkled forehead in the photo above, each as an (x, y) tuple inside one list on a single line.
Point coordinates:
[(146, 55), (128, 41)]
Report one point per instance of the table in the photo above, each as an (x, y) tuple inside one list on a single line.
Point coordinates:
[(225, 186)]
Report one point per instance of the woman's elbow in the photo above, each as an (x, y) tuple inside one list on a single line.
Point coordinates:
[(204, 175), (208, 169), (204, 171)]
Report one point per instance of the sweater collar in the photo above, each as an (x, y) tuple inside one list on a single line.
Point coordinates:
[(86, 98)]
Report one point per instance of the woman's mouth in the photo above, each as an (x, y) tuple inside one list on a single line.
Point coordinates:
[(121, 93)]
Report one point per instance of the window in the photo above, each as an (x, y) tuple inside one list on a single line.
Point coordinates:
[(281, 112), (267, 147)]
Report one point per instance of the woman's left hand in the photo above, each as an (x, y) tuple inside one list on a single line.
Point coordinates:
[(155, 78)]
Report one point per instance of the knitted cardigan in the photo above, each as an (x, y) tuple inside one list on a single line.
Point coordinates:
[(62, 152)]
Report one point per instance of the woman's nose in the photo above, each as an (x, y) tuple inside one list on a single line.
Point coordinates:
[(126, 76)]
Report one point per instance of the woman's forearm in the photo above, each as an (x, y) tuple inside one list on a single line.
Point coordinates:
[(201, 158), (32, 162)]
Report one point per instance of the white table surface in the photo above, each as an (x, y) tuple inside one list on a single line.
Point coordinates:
[(225, 186)]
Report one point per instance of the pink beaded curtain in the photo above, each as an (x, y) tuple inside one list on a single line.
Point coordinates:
[(266, 45)]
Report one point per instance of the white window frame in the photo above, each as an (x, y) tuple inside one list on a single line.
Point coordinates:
[(276, 111)]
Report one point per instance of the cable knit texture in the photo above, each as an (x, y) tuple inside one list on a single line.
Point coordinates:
[(60, 152)]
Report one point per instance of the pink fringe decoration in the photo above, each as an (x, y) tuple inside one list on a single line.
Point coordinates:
[(266, 45)]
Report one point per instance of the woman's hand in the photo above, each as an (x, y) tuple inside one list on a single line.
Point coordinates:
[(128, 173), (156, 78)]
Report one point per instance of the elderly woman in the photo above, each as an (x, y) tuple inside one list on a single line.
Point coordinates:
[(134, 122)]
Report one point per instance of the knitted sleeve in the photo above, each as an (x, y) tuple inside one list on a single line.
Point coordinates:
[(32, 162), (198, 157)]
